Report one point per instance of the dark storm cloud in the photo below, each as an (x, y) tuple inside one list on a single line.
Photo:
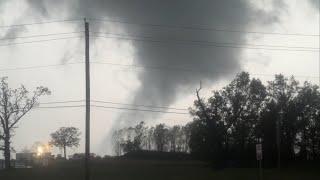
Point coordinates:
[(161, 88)]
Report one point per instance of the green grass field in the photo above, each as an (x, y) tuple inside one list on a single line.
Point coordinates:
[(153, 170)]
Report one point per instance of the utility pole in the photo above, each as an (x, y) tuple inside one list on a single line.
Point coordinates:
[(87, 74)]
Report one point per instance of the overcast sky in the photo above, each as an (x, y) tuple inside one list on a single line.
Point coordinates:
[(156, 20)]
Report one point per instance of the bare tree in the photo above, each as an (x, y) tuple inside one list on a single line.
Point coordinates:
[(66, 137), (14, 104)]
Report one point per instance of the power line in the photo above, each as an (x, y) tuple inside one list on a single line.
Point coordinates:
[(134, 109), (61, 102), (27, 42), (204, 44), (207, 42), (161, 26), (141, 105), (40, 35), (44, 22), (176, 69), (110, 107), (57, 107), (117, 103), (37, 67), (202, 28)]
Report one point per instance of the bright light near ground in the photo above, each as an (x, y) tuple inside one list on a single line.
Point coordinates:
[(39, 150), (43, 148)]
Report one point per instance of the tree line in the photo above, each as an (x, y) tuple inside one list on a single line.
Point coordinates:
[(155, 138), (227, 126)]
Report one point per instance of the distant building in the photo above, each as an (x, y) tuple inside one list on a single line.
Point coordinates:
[(25, 159)]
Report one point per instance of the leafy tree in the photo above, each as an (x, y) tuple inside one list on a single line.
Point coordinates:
[(186, 134), (139, 137), (308, 105), (135, 138), (65, 137), (159, 138), (283, 92), (160, 135), (14, 104), (226, 125), (174, 135), (268, 129), (243, 98)]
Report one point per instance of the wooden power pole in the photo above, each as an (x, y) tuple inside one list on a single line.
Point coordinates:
[(87, 73)]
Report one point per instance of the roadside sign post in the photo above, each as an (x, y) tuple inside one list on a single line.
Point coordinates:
[(259, 158)]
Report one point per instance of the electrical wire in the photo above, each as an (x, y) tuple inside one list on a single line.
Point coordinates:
[(37, 41), (110, 107), (203, 44), (135, 109), (61, 102), (56, 107), (40, 35), (37, 67), (206, 42), (116, 103), (44, 22), (141, 105), (176, 69), (201, 28)]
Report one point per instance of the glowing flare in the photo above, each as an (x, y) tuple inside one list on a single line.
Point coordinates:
[(39, 150)]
